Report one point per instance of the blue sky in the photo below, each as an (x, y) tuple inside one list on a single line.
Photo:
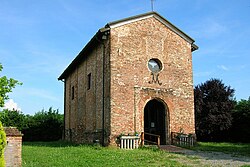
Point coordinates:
[(38, 39)]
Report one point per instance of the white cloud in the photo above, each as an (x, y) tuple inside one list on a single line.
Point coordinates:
[(210, 28), (215, 28), (223, 67), (11, 105), (37, 93), (203, 74)]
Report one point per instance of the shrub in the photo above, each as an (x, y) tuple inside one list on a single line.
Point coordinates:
[(241, 122), (44, 126), (2, 145)]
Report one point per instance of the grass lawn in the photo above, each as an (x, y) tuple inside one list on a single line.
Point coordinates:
[(232, 148), (61, 154)]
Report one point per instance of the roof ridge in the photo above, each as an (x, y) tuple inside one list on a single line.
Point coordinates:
[(156, 15)]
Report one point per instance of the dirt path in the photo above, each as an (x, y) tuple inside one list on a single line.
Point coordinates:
[(205, 158)]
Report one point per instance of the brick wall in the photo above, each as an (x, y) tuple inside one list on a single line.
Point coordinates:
[(132, 46), (83, 113), (13, 149)]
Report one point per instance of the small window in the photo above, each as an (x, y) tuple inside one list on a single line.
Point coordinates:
[(155, 65), (89, 81), (72, 92)]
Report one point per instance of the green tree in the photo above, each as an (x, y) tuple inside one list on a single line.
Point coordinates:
[(13, 119), (213, 105), (6, 86), (241, 121)]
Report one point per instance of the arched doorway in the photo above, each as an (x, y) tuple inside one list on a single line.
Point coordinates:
[(155, 119)]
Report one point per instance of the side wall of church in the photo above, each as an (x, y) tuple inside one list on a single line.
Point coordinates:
[(132, 46), (84, 99)]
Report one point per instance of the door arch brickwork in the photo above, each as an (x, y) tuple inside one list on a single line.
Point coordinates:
[(142, 97), (178, 116), (156, 119)]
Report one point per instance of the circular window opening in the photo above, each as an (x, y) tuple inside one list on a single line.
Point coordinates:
[(154, 65)]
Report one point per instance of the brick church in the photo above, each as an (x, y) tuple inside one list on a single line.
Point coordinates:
[(134, 75)]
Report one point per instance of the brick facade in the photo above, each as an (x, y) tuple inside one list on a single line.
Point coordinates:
[(116, 99), (13, 149)]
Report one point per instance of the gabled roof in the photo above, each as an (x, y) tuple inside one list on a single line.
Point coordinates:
[(148, 15), (94, 41), (121, 22)]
